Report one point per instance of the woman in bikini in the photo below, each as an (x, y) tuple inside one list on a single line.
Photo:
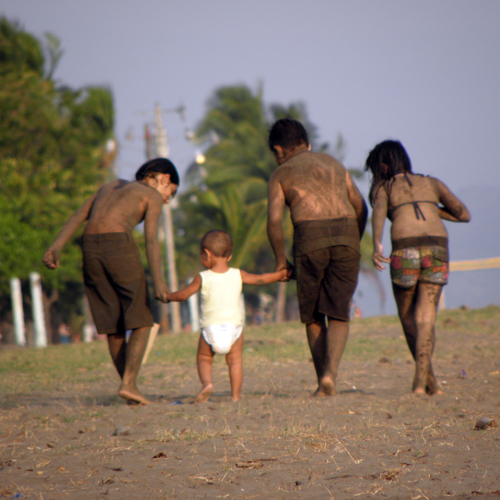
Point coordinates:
[(416, 205)]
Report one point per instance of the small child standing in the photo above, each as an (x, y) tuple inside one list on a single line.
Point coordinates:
[(222, 313)]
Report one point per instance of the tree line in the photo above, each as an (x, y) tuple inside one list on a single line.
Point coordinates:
[(54, 153)]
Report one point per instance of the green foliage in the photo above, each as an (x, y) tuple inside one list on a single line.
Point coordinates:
[(19, 51), (52, 157), (229, 191)]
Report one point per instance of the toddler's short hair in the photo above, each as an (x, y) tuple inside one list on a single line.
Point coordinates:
[(218, 242)]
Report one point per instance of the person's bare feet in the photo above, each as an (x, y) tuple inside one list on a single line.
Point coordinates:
[(132, 394), (326, 388), (432, 388), (204, 394)]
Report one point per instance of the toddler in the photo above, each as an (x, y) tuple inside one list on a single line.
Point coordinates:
[(222, 310)]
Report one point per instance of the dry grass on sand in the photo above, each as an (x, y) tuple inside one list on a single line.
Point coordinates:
[(65, 434)]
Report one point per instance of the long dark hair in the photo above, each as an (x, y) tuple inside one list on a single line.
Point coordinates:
[(160, 165), (393, 155)]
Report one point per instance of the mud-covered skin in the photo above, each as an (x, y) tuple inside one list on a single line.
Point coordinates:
[(417, 310), (417, 306), (314, 186), (394, 199), (116, 208)]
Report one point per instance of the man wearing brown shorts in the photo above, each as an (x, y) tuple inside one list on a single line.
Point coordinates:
[(329, 217), (115, 283), (113, 275)]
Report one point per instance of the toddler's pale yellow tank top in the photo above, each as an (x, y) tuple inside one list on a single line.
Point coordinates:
[(220, 298)]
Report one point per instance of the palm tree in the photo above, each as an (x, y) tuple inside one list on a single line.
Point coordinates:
[(229, 190)]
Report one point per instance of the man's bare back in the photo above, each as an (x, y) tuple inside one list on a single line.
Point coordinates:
[(120, 205), (315, 186)]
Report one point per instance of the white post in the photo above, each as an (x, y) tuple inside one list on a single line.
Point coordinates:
[(40, 331), (193, 312), (17, 311), (173, 284), (88, 325)]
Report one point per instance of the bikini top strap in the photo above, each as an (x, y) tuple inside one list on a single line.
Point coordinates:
[(408, 179), (418, 210)]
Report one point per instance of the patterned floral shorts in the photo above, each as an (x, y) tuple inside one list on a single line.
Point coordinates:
[(419, 264)]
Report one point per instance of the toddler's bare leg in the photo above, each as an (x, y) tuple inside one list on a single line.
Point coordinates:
[(336, 339), (204, 360), (117, 350), (136, 346), (234, 359), (316, 337)]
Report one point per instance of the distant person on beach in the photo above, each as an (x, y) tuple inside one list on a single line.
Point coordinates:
[(222, 310), (329, 217), (415, 204), (114, 278)]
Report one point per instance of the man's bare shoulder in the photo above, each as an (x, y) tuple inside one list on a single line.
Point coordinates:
[(139, 189), (309, 159), (278, 173)]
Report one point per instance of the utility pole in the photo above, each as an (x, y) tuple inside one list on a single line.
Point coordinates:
[(161, 146)]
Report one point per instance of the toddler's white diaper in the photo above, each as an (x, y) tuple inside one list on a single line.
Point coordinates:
[(221, 337)]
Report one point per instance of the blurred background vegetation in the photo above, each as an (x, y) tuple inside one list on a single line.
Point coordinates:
[(57, 147)]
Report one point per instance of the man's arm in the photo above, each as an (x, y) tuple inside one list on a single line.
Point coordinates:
[(185, 293), (358, 204), (276, 205), (378, 218), (153, 210), (52, 256)]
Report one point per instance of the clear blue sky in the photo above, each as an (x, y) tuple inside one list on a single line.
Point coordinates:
[(426, 73)]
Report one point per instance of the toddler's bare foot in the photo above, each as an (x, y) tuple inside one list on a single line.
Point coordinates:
[(131, 402), (326, 388), (204, 394), (132, 394)]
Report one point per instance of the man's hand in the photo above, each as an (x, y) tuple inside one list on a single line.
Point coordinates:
[(290, 271), (378, 257), (161, 292), (51, 258)]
